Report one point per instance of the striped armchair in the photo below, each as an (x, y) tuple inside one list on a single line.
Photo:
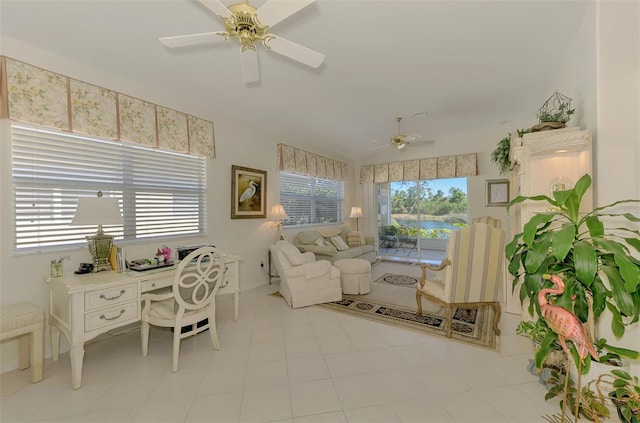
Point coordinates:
[(471, 275), (491, 221)]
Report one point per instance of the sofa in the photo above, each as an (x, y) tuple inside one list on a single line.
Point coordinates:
[(322, 244)]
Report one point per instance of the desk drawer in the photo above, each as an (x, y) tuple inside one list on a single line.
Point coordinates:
[(153, 284), (114, 316), (110, 296)]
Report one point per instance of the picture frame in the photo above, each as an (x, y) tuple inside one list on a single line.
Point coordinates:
[(498, 192), (248, 193)]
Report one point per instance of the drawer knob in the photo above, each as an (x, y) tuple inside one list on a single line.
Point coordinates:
[(104, 297), (103, 317)]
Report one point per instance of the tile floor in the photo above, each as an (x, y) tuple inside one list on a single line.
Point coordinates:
[(278, 364)]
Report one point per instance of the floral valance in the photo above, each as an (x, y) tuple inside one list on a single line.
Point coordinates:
[(421, 169), (295, 160), (38, 96)]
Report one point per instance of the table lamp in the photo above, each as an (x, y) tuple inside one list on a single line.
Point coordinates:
[(98, 211), (278, 214), (356, 212)]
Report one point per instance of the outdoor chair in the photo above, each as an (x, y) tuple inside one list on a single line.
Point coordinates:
[(471, 274), (190, 307)]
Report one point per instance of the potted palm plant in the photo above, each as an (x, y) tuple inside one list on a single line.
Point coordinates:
[(595, 261)]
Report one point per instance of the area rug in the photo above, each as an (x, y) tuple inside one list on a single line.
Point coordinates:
[(469, 325), (398, 280)]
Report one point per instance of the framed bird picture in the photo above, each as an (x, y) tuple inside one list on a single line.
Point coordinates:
[(248, 193)]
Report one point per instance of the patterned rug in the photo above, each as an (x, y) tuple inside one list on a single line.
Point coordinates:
[(469, 325), (398, 280)]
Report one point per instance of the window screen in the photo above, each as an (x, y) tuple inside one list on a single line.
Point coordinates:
[(310, 200), (161, 193)]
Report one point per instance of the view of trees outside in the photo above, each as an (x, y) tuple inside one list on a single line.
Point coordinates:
[(426, 208)]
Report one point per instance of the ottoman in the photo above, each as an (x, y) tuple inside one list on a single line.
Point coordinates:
[(355, 275)]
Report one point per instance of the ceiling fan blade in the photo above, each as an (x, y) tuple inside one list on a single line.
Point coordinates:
[(249, 63), (296, 51), (191, 39), (422, 142), (412, 137), (275, 11), (216, 7)]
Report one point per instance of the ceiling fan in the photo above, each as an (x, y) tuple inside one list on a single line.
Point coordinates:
[(248, 25), (401, 141)]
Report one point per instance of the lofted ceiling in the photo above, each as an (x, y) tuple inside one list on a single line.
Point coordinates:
[(469, 64)]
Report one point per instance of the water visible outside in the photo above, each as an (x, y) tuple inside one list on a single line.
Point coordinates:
[(426, 224)]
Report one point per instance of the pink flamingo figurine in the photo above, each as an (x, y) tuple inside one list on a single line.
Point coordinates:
[(563, 322)]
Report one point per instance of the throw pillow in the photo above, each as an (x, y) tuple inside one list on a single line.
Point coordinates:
[(293, 255), (339, 243), (354, 239)]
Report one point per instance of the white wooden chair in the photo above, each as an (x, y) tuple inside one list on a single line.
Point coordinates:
[(191, 300), (471, 274)]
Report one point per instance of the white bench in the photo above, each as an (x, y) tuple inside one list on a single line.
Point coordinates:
[(26, 322)]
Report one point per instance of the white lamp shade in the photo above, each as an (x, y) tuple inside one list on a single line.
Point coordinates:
[(356, 212), (97, 211), (278, 213)]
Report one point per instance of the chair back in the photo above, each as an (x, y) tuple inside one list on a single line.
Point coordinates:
[(477, 270), (491, 221), (198, 278)]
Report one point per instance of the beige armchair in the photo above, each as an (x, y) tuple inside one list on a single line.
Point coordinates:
[(303, 280), (470, 276)]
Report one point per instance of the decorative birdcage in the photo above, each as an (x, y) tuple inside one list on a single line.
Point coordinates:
[(557, 108)]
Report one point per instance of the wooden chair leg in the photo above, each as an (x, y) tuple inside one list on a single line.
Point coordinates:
[(449, 319), (496, 317), (419, 301)]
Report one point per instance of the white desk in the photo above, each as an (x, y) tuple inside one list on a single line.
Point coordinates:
[(85, 306)]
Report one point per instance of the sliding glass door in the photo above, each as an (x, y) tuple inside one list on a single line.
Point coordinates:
[(415, 217)]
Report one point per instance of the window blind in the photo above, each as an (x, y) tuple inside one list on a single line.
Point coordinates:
[(161, 193), (309, 200)]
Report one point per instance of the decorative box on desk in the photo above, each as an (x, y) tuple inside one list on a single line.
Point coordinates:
[(85, 306)]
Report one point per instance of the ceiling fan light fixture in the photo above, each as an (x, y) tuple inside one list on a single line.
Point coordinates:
[(243, 25)]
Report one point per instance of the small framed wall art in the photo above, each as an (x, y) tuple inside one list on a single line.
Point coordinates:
[(498, 192), (248, 193)]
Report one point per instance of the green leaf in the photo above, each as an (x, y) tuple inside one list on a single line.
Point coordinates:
[(634, 242), (536, 256), (586, 262), (620, 296), (561, 196), (617, 326), (595, 225), (562, 241), (531, 227), (629, 271), (582, 185), (545, 348), (520, 199)]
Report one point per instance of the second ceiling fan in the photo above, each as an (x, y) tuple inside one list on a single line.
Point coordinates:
[(249, 25), (401, 141)]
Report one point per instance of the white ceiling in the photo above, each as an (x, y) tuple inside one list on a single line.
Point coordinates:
[(469, 64)]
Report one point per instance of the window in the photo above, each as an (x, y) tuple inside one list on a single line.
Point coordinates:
[(309, 200), (161, 193)]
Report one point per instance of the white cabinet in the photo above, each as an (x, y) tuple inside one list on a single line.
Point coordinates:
[(543, 159)]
